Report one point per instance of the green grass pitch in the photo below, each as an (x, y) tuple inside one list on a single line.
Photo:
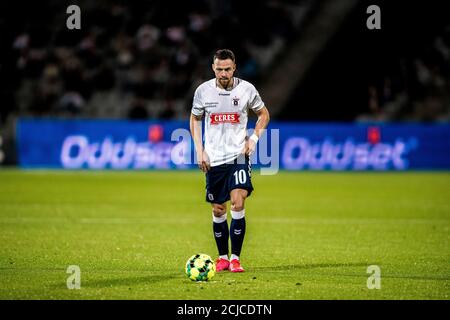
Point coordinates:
[(310, 235)]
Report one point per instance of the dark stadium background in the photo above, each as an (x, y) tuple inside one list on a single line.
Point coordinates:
[(357, 56), (338, 70)]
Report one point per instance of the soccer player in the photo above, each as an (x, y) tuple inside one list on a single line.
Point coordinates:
[(224, 102)]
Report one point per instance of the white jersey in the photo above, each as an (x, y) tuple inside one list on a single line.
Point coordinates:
[(226, 115)]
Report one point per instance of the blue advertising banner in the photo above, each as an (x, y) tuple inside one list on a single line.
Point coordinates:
[(116, 144), (98, 144), (365, 147)]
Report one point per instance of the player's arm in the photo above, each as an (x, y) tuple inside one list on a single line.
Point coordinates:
[(263, 121), (261, 125), (195, 125)]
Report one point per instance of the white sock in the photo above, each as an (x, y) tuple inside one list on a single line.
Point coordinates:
[(224, 257), (233, 256), (237, 214), (220, 219)]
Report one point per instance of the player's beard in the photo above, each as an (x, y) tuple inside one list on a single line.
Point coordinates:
[(225, 82)]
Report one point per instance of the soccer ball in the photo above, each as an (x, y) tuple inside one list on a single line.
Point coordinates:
[(200, 267)]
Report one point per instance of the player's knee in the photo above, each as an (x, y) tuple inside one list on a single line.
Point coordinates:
[(237, 199), (237, 204), (219, 210)]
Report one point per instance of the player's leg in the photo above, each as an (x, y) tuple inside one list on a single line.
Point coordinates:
[(217, 194), (237, 227), (221, 234), (240, 186)]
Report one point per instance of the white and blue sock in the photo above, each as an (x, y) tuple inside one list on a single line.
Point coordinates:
[(221, 234), (237, 232)]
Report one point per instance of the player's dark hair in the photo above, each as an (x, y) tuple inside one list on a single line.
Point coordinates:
[(223, 54)]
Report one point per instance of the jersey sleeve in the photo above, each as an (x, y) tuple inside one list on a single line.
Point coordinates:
[(255, 101), (197, 106)]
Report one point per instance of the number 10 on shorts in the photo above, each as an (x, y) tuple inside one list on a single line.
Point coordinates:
[(240, 177)]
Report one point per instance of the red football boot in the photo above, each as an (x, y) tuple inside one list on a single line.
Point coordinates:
[(222, 264), (235, 266)]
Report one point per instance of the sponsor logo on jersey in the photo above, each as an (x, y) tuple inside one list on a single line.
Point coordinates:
[(226, 117)]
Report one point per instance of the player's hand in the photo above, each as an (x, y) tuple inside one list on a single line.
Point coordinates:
[(203, 161), (250, 147)]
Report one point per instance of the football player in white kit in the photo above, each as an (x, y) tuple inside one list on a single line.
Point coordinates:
[(223, 102)]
